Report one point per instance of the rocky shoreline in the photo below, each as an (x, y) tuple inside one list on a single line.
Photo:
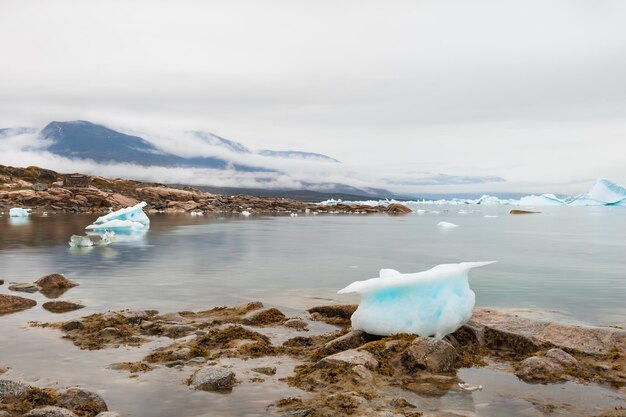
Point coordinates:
[(337, 370), (46, 190)]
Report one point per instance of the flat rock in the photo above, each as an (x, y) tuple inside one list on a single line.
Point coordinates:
[(263, 316), (55, 281), (350, 357), (24, 287), (213, 378), (81, 400), (524, 335), (562, 358), (13, 303), (50, 411), (11, 390), (430, 354), (296, 324), (61, 306)]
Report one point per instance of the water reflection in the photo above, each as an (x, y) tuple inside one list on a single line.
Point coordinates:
[(19, 221)]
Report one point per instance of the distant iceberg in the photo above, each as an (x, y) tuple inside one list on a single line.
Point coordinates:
[(129, 218), (430, 303), (603, 193), (19, 212)]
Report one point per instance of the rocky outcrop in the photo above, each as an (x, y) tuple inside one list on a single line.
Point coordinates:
[(53, 281), (16, 189), (13, 303), (430, 354), (263, 316), (395, 209)]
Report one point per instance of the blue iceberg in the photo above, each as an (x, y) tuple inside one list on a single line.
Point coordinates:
[(129, 218), (608, 192), (430, 303)]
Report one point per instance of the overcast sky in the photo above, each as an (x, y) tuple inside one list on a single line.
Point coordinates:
[(530, 91)]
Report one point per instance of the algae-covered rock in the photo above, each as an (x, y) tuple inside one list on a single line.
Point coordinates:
[(55, 281), (13, 303), (263, 316), (61, 306), (81, 400), (50, 411), (430, 354)]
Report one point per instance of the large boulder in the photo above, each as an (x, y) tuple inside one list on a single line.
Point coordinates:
[(213, 378), (500, 330), (540, 369), (81, 401), (13, 303), (430, 354)]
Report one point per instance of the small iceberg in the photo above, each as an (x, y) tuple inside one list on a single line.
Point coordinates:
[(129, 218), (608, 192), (19, 212), (245, 213), (447, 225), (430, 303), (77, 241)]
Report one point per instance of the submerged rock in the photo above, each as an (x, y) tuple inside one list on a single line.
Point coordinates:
[(24, 287), (213, 378), (430, 354), (13, 303), (61, 306)]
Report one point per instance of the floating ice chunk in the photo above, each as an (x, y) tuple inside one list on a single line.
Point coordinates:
[(245, 213), (470, 388), (430, 303), (77, 241), (489, 216), (19, 212), (197, 213), (608, 192), (294, 214), (447, 225), (127, 218)]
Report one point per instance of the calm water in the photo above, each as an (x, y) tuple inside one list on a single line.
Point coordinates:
[(569, 261)]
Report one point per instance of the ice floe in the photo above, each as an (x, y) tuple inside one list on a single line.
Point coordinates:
[(19, 212), (132, 218), (447, 225), (430, 303)]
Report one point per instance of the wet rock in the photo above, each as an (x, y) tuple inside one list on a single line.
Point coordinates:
[(296, 324), (431, 385), (562, 358), (61, 306), (540, 369), (334, 314), (430, 354), (1, 282), (396, 209), (172, 364), (109, 332), (350, 357), (263, 316), (198, 360), (55, 281), (50, 411), (24, 287), (182, 353), (109, 414), (81, 400), (175, 331), (135, 316), (213, 378), (350, 340), (3, 370), (265, 370), (72, 325), (11, 390), (13, 303)]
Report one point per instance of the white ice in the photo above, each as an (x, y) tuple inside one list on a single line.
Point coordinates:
[(430, 303), (132, 218), (608, 192), (447, 225), (77, 241), (245, 213), (19, 212)]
